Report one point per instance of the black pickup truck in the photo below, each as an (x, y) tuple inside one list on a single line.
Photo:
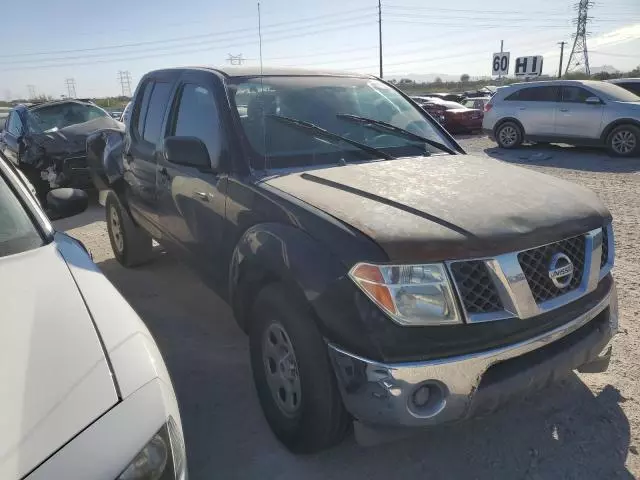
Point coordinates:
[(384, 277)]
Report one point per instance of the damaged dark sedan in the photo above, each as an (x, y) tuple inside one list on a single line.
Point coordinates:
[(47, 142)]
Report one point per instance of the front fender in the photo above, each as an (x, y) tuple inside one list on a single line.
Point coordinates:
[(273, 252)]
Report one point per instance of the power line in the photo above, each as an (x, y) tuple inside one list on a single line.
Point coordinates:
[(579, 54), (239, 33)]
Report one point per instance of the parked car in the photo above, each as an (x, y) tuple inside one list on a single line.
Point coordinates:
[(117, 114), (476, 102), (631, 84), (47, 142), (450, 97), (85, 392), (4, 113), (577, 112), (383, 276), (456, 117)]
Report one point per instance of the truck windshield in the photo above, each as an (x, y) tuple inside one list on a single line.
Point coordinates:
[(330, 103)]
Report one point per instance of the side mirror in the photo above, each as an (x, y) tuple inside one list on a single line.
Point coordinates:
[(592, 101), (189, 151), (66, 202)]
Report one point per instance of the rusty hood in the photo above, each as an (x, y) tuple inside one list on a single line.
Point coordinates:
[(447, 207)]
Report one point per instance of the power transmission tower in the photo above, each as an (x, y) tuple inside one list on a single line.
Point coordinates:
[(71, 87), (579, 57), (236, 59), (125, 82), (32, 91)]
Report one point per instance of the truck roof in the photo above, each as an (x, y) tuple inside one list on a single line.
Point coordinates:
[(254, 71)]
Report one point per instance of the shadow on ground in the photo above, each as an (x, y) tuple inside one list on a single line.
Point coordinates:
[(565, 156), (562, 432)]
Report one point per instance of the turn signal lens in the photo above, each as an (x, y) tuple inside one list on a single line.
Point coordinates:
[(409, 294)]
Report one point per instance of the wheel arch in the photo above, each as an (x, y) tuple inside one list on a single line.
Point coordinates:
[(502, 121), (616, 123), (277, 253)]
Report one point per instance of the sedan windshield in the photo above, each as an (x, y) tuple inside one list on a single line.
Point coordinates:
[(50, 118), (17, 232), (331, 104)]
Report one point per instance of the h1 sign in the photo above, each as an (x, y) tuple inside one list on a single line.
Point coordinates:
[(528, 66)]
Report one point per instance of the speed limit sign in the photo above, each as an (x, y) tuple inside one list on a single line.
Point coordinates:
[(500, 63)]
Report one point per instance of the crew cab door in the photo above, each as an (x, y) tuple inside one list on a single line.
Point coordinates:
[(12, 137), (142, 150), (575, 117), (191, 200)]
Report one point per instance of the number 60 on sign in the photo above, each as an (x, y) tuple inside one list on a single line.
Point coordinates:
[(500, 63)]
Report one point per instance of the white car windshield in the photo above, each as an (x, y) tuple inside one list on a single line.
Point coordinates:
[(17, 231), (339, 105)]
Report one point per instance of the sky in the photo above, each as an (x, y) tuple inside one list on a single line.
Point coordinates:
[(47, 42)]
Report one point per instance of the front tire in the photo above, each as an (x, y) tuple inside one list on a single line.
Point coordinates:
[(624, 141), (293, 375), (509, 135), (130, 244)]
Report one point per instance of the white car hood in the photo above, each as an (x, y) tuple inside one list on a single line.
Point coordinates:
[(54, 377)]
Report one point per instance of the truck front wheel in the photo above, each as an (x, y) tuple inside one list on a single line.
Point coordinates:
[(293, 376), (130, 244)]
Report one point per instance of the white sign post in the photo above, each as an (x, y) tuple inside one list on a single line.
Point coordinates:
[(528, 66), (500, 64)]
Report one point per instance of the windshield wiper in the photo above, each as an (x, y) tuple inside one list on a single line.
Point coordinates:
[(401, 132), (313, 129)]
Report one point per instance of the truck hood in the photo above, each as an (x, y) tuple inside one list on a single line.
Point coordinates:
[(54, 375), (448, 207)]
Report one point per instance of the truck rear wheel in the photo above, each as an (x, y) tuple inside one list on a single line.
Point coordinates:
[(130, 244), (293, 375)]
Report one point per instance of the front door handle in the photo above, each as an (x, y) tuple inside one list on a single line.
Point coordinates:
[(564, 109), (523, 108), (204, 196)]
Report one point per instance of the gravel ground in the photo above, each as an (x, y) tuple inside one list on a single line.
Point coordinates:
[(587, 426)]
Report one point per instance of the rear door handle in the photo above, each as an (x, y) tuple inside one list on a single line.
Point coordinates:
[(564, 109), (522, 108)]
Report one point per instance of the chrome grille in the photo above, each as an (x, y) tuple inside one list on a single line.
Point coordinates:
[(477, 291), (605, 247), (535, 266)]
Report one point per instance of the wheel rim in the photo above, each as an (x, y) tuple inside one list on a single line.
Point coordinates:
[(281, 368), (508, 136), (116, 229), (623, 141)]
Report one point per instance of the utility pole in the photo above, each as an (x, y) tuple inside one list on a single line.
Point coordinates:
[(71, 87), (579, 54), (125, 82), (501, 50), (380, 32), (32, 91), (236, 59), (562, 44)]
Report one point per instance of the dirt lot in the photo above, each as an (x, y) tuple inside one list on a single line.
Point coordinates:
[(588, 426)]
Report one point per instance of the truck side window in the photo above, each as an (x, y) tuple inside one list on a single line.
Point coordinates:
[(197, 116), (141, 108), (155, 113)]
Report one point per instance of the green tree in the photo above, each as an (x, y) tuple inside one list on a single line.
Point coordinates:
[(438, 81), (464, 78)]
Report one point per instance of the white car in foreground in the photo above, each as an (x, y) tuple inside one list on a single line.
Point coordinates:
[(84, 391)]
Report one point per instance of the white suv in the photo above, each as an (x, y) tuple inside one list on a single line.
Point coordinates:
[(577, 112)]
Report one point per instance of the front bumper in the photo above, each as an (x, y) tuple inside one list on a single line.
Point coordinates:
[(459, 387)]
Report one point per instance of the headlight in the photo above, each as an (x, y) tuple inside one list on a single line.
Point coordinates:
[(409, 294), (162, 458)]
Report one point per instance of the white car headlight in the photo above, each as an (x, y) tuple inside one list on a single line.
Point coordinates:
[(409, 294), (162, 458)]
